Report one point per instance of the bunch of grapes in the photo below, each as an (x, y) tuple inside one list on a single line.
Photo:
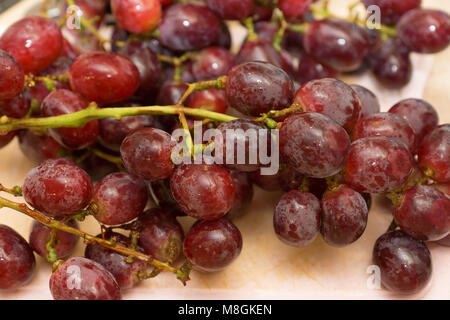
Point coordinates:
[(97, 114)]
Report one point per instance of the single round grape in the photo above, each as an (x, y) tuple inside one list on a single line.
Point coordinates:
[(17, 262), (258, 87), (377, 164), (212, 63), (7, 138), (104, 77), (434, 154), (188, 26), (39, 148), (294, 9), (266, 182), (340, 44), (369, 101), (421, 115), (311, 69), (404, 262), (212, 245), (137, 16), (333, 98), (35, 42), (296, 220), (61, 102), (259, 50), (231, 9), (344, 216), (119, 198), (191, 184), (243, 188), (17, 107), (209, 99), (65, 242), (58, 188), (424, 213), (161, 235), (313, 144), (126, 274), (392, 10), (11, 77), (425, 30), (146, 153), (83, 279), (387, 125)]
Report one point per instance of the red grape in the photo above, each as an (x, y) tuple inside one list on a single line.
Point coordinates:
[(243, 188), (212, 63), (38, 148), (170, 93), (209, 99), (294, 9), (392, 10), (311, 69), (266, 182), (231, 9), (434, 154), (137, 16), (16, 107), (289, 178), (11, 77), (259, 50), (224, 38), (97, 167), (369, 101), (262, 12)]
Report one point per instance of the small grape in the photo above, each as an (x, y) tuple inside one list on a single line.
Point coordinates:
[(231, 9), (212, 63), (11, 77), (137, 16), (369, 101), (434, 154), (311, 69)]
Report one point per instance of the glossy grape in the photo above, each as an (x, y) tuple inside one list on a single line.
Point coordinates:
[(231, 9), (11, 77), (243, 188), (259, 50), (16, 107), (209, 99), (212, 63), (434, 154), (17, 262), (369, 101), (137, 16), (311, 69), (212, 245), (294, 9), (170, 93), (392, 10)]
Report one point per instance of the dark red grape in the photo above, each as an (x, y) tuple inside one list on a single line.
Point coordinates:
[(224, 38), (11, 77), (191, 184), (16, 107), (83, 279), (297, 218), (243, 188), (294, 9), (57, 187), (258, 87), (340, 44), (425, 30), (104, 77), (369, 101), (317, 186), (170, 93), (17, 262), (161, 235), (333, 98), (289, 178), (126, 274), (209, 99), (262, 12), (61, 102), (212, 63), (388, 125), (344, 216), (119, 198), (434, 154), (405, 262), (424, 213), (137, 16), (266, 182), (35, 42), (313, 144), (259, 50), (392, 10), (188, 26), (311, 69), (231, 9), (377, 164), (212, 245), (7, 138), (65, 242), (146, 153), (39, 148), (421, 115)]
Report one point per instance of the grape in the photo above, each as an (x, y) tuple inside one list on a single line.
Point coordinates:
[(212, 63), (119, 198), (344, 216), (259, 50), (297, 218), (38, 148), (16, 107), (391, 64), (231, 9), (313, 144), (262, 12), (387, 125), (7, 138), (188, 26), (317, 186), (65, 242), (243, 187), (17, 262), (191, 184), (266, 30), (11, 77), (83, 279), (170, 93), (290, 178), (377, 164), (209, 99), (81, 43), (257, 87), (424, 213), (338, 44), (266, 182), (405, 263), (35, 42), (392, 10), (126, 274), (212, 245), (61, 102), (369, 101), (97, 167), (434, 154), (146, 153), (113, 131), (104, 77), (333, 98), (421, 115), (424, 30), (294, 9), (161, 235), (137, 16), (57, 187), (67, 51), (311, 69), (186, 76), (224, 38)]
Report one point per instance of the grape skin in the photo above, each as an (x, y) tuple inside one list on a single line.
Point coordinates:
[(11, 77), (434, 154), (137, 16)]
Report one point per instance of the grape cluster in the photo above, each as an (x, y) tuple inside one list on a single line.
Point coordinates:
[(79, 104)]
